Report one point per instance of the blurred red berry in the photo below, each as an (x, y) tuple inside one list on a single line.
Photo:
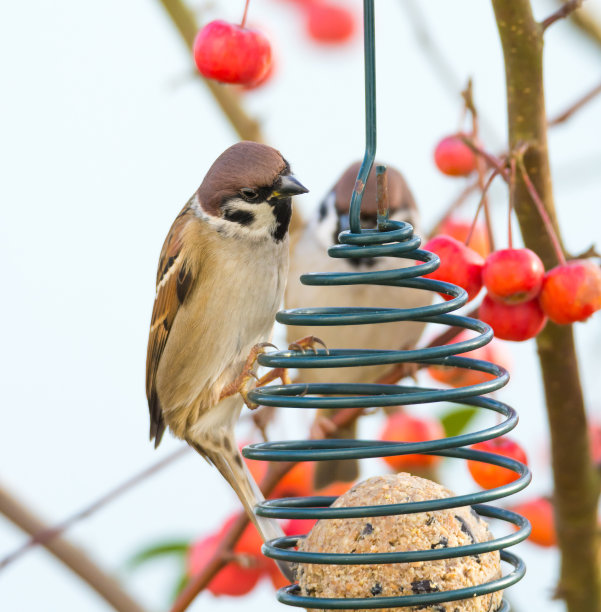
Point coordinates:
[(234, 579), (594, 435), (329, 23), (513, 275), (459, 264), (540, 514), (402, 427), (490, 476), (572, 291), (516, 322), (460, 229), (229, 53), (298, 482), (494, 352), (453, 157)]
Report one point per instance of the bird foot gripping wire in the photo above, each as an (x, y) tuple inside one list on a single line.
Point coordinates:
[(308, 342), (241, 383)]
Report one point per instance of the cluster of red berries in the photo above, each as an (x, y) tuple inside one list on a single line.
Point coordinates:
[(520, 296)]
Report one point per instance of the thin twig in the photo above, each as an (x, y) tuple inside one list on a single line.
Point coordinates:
[(243, 23), (586, 254), (587, 22), (49, 533), (468, 98), (491, 160), (437, 57), (482, 204), (453, 206), (511, 206), (576, 106), (542, 212), (69, 554), (569, 7)]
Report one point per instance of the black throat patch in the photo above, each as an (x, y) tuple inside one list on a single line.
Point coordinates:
[(282, 211)]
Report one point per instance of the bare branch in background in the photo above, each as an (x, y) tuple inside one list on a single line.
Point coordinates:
[(49, 533), (438, 59), (569, 7), (575, 106), (69, 554)]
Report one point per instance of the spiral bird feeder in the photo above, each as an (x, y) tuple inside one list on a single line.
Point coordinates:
[(389, 239)]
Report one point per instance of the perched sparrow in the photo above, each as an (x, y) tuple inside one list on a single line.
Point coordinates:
[(220, 281), (310, 255)]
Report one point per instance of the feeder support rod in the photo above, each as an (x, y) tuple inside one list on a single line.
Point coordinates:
[(369, 43)]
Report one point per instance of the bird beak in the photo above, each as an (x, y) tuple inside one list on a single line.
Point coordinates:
[(288, 185)]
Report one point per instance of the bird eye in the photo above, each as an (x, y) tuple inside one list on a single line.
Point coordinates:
[(249, 194)]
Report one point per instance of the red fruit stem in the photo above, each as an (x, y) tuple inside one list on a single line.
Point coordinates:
[(481, 204), (561, 13), (543, 213), (469, 104), (243, 22), (491, 160), (512, 172), (576, 481)]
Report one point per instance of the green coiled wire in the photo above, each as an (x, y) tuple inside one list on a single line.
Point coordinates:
[(390, 239)]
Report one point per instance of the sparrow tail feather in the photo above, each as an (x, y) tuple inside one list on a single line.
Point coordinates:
[(233, 468)]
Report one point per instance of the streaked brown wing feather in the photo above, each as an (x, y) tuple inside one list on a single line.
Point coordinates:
[(174, 280)]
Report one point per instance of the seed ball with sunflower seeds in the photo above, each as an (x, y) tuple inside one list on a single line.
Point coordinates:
[(404, 532)]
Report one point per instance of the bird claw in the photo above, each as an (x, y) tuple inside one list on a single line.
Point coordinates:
[(308, 342), (240, 383)]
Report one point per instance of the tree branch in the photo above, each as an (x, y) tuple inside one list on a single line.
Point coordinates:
[(72, 556), (576, 482), (585, 20), (569, 7), (49, 533), (575, 106)]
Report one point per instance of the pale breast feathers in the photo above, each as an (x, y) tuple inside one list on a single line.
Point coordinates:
[(175, 278)]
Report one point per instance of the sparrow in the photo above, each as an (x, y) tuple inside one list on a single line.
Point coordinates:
[(220, 280), (309, 254)]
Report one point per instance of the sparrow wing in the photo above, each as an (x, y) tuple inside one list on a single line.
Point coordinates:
[(173, 284)]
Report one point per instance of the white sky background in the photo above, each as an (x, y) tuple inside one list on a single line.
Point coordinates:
[(102, 141)]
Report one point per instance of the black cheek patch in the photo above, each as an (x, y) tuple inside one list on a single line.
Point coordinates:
[(323, 211), (243, 217)]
